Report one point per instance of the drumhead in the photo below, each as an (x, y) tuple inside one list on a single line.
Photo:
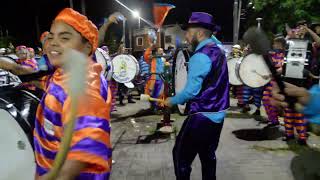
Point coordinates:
[(8, 58), (16, 134), (104, 59), (180, 69), (16, 152), (254, 72), (125, 68), (233, 75)]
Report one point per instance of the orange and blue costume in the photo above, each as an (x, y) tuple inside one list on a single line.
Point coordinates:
[(91, 139), (155, 85), (272, 112)]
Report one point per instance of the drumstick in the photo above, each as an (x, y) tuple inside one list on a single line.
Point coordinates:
[(263, 76), (76, 67), (145, 97), (260, 44)]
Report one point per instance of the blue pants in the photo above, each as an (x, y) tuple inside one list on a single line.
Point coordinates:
[(198, 135), (257, 94)]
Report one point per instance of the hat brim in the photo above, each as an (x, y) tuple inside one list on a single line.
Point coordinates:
[(210, 27)]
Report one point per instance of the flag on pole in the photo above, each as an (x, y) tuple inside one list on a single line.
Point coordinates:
[(160, 12)]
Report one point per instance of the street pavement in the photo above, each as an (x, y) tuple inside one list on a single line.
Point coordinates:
[(247, 150)]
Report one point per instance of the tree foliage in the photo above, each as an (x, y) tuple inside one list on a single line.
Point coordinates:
[(276, 13)]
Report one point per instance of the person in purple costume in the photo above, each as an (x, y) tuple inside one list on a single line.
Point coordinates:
[(207, 95)]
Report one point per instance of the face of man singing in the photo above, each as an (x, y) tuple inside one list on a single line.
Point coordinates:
[(62, 37), (192, 37)]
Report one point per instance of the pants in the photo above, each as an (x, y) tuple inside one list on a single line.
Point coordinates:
[(198, 135), (124, 91), (155, 89), (271, 111), (292, 120), (114, 89), (255, 92), (239, 94)]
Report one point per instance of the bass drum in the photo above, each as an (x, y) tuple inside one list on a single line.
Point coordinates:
[(253, 71), (125, 68), (233, 74), (104, 59), (17, 112), (180, 73)]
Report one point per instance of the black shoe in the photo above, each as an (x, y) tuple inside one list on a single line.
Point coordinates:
[(257, 113), (246, 109), (121, 104), (302, 142), (272, 124), (131, 101), (287, 138)]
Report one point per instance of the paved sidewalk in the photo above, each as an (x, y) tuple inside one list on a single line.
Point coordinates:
[(243, 153)]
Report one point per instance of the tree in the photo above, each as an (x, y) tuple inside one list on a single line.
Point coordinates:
[(276, 13)]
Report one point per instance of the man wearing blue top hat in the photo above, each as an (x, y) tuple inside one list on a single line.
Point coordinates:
[(207, 95)]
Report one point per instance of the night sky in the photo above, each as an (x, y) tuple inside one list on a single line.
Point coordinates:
[(19, 17)]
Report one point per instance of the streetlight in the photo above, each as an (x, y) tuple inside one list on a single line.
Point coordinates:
[(259, 21), (136, 14)]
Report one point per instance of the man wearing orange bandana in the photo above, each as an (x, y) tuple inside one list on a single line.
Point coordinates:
[(89, 156)]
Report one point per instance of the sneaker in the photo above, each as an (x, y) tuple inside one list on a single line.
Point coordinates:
[(246, 109), (130, 101), (257, 113), (302, 142), (287, 138), (272, 124)]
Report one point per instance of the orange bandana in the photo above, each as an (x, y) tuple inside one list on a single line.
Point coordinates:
[(81, 24), (44, 37)]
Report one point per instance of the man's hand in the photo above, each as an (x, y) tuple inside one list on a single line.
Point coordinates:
[(167, 102), (114, 18), (279, 70), (278, 99)]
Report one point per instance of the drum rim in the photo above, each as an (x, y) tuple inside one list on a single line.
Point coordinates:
[(103, 53), (8, 57), (25, 126), (133, 59), (242, 79), (236, 70), (186, 54)]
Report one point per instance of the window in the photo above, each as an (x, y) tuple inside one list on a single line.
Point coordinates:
[(168, 39), (139, 41)]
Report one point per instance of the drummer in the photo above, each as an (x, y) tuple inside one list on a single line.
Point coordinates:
[(277, 55), (43, 62), (207, 91), (155, 84), (123, 90), (238, 90), (89, 156), (23, 66), (249, 92)]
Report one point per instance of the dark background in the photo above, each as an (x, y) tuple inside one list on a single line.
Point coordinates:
[(20, 17)]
